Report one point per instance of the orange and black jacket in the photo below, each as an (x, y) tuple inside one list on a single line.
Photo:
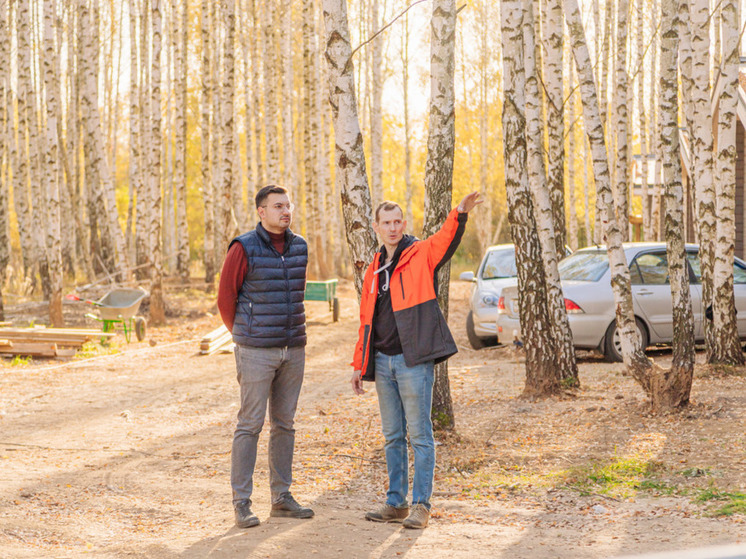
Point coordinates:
[(423, 331)]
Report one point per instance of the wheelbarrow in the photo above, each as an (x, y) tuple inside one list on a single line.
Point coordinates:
[(120, 306)]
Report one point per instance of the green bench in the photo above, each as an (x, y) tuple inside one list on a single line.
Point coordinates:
[(324, 291)]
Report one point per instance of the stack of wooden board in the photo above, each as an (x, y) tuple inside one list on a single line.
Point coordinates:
[(217, 340), (46, 342)]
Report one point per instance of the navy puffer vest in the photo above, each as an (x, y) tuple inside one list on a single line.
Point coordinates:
[(269, 310)]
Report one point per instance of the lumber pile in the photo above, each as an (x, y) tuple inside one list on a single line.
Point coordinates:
[(46, 342), (217, 340)]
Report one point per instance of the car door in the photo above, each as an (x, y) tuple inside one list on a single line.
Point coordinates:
[(739, 288), (652, 293)]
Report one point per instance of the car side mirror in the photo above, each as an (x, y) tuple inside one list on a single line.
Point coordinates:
[(466, 276)]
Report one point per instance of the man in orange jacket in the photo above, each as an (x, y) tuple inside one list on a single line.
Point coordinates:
[(402, 335)]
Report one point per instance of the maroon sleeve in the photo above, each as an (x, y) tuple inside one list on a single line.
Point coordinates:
[(231, 280)]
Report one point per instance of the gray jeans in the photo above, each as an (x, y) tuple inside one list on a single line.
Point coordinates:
[(271, 375)]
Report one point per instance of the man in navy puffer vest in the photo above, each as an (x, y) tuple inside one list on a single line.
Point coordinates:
[(261, 302)]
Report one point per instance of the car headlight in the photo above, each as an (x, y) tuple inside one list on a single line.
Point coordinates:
[(488, 300)]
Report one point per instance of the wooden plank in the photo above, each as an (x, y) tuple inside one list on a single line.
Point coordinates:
[(6, 343), (222, 340), (41, 349), (215, 334)]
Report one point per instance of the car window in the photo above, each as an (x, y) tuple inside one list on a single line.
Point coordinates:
[(693, 258), (739, 272), (584, 266), (653, 268), (500, 264), (634, 274)]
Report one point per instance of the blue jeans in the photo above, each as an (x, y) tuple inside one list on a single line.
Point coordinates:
[(405, 396)]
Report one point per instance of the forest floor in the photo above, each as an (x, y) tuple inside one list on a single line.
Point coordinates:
[(127, 454)]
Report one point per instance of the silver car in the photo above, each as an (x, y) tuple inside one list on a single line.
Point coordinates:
[(496, 270), (589, 300)]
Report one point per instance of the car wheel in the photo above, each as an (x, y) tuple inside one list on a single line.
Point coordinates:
[(475, 341), (613, 341)]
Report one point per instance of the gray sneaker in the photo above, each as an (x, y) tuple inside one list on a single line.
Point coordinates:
[(244, 517), (289, 508), (388, 513), (418, 518)]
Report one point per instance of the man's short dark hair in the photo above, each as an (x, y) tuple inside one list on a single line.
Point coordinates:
[(262, 195), (387, 206)]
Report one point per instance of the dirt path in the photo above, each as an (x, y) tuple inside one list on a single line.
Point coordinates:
[(128, 456)]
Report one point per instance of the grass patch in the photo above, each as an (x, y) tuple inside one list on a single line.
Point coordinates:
[(96, 349), (622, 478), (728, 502), (20, 361)]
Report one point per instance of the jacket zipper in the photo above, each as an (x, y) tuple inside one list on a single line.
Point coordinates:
[(401, 282)]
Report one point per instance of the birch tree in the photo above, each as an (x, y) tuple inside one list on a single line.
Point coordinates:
[(553, 37), (227, 224), (270, 81), (98, 173), (51, 174), (182, 230), (535, 328), (727, 347), (559, 342), (441, 139), (208, 198), (643, 122), (157, 304), (675, 386), (349, 157), (408, 213), (5, 133), (634, 358), (621, 122), (21, 189), (376, 109), (702, 152)]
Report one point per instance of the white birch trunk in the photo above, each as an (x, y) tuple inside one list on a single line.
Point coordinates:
[(349, 157), (535, 324), (559, 343), (727, 348), (408, 212), (208, 198), (441, 139), (672, 390), (182, 229), (227, 224), (621, 122), (101, 181), (21, 179), (632, 353), (702, 152), (553, 38), (376, 110), (256, 88), (655, 207), (290, 176), (157, 305), (251, 118), (643, 128), (51, 174), (5, 150), (269, 65)]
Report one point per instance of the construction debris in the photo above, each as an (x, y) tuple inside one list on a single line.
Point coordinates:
[(220, 340), (46, 342)]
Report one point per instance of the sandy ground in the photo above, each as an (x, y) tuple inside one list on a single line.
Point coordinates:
[(128, 455)]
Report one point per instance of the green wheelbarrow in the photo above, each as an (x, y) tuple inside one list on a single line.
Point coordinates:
[(119, 307)]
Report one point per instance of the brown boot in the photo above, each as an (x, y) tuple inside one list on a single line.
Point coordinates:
[(418, 518), (387, 513)]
